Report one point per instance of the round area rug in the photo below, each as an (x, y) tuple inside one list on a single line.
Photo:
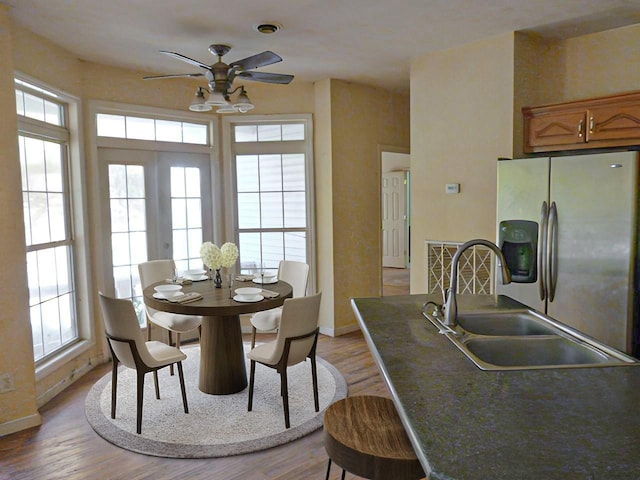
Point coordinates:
[(216, 425)]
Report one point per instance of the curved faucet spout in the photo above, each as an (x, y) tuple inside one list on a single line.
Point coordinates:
[(451, 307)]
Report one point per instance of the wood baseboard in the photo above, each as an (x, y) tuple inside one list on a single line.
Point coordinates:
[(19, 424)]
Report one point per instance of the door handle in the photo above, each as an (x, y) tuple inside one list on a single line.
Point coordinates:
[(542, 250), (552, 251)]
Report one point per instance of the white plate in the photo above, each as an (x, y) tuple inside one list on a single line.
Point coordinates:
[(160, 296), (196, 278), (193, 273), (266, 280), (248, 299), (248, 291)]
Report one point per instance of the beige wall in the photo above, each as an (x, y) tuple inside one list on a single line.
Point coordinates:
[(17, 407), (362, 119), (461, 122), (323, 173)]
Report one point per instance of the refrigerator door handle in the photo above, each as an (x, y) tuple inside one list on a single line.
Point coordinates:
[(542, 254), (552, 251)]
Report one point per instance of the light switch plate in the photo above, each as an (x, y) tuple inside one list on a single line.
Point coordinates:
[(452, 188), (7, 382)]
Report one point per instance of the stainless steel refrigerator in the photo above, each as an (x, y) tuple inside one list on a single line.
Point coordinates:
[(570, 227)]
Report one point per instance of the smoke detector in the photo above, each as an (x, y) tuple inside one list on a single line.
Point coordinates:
[(267, 27)]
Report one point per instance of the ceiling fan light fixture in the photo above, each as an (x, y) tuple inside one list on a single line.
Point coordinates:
[(199, 104), (242, 102), (217, 98), (227, 109)]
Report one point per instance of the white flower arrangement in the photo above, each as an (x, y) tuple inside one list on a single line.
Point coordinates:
[(229, 253), (215, 258)]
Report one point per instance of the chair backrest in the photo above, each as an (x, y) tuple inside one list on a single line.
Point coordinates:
[(121, 321), (295, 274), (155, 271), (299, 317)]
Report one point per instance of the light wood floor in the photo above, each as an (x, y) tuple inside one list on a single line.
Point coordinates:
[(395, 281), (66, 447)]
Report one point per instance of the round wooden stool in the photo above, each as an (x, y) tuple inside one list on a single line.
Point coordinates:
[(364, 435)]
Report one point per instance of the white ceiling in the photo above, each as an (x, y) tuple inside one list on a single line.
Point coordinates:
[(364, 41)]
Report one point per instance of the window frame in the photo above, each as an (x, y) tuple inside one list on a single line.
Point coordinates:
[(101, 210), (70, 137), (265, 147)]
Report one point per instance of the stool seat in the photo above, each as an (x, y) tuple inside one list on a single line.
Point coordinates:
[(365, 436)]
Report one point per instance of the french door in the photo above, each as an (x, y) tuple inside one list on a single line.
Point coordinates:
[(157, 205)]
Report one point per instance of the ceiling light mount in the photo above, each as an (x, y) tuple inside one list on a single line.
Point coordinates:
[(267, 28)]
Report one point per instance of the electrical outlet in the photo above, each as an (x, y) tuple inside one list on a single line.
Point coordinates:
[(6, 382)]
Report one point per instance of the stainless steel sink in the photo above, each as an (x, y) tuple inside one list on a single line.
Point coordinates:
[(507, 324), (525, 339), (534, 352)]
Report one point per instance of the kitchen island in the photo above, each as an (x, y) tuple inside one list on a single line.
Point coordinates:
[(470, 424)]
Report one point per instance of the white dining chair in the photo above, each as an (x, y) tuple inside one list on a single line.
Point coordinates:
[(295, 274), (295, 341), (155, 271), (127, 346)]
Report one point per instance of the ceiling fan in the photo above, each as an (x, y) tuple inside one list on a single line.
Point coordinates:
[(221, 75)]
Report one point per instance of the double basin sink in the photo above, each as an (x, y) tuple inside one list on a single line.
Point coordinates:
[(525, 339)]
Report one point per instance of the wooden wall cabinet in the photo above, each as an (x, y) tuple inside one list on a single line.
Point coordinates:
[(603, 122)]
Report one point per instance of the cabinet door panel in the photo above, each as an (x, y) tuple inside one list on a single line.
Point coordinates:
[(556, 129), (614, 122)]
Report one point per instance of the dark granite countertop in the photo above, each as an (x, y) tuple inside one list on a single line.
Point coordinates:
[(470, 424)]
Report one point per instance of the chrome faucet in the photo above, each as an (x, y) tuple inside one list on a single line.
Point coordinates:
[(450, 306)]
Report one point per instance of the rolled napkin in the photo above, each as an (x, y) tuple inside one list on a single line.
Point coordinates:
[(185, 297), (269, 293)]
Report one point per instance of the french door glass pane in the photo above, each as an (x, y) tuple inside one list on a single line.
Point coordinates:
[(186, 210), (128, 230)]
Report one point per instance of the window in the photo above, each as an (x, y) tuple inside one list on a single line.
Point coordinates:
[(143, 128), (44, 162), (273, 193)]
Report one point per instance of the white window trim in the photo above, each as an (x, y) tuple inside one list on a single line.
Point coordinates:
[(80, 233), (231, 214), (98, 106)]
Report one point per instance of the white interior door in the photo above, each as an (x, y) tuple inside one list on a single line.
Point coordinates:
[(394, 218)]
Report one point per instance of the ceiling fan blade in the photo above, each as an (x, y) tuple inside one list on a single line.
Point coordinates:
[(180, 75), (187, 59), (255, 61), (267, 77)]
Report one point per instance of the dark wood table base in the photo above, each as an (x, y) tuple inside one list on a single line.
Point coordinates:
[(222, 363)]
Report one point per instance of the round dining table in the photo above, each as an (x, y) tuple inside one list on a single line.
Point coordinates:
[(222, 358)]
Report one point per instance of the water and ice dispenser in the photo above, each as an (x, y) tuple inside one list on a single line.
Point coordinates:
[(518, 240)]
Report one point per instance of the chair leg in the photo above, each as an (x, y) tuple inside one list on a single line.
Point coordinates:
[(252, 372), (344, 472), (114, 386), (253, 337), (156, 384), (314, 376), (140, 395), (285, 396), (184, 392), (328, 469), (170, 343)]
